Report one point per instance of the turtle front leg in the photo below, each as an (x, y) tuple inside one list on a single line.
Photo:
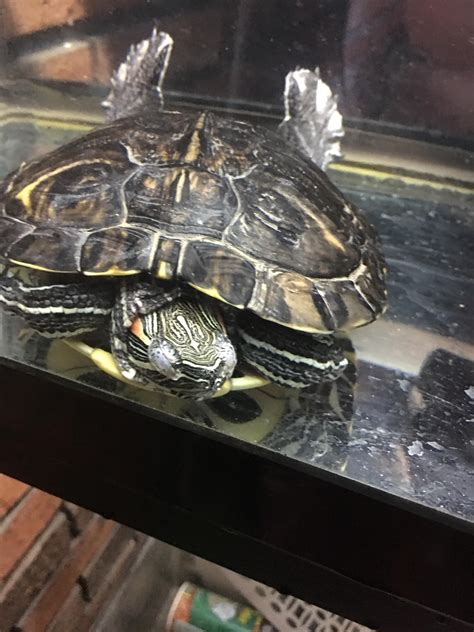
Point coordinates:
[(59, 310)]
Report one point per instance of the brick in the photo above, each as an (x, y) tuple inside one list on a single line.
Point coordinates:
[(18, 534), (71, 613), (44, 14), (86, 61), (11, 492), (98, 568), (34, 570), (78, 517), (62, 583), (144, 591), (78, 615)]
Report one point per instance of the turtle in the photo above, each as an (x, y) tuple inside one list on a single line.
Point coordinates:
[(197, 239)]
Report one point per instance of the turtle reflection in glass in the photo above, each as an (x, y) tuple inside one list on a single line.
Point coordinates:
[(197, 239)]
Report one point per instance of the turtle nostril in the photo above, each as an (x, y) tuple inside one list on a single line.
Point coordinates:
[(217, 383)]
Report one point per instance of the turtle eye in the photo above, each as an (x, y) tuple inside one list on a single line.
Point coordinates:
[(163, 356)]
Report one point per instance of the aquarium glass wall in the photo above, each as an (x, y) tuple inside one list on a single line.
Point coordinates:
[(401, 416)]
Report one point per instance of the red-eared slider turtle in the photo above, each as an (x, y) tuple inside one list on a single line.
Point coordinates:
[(164, 222)]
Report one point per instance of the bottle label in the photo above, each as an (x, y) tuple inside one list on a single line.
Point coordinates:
[(196, 609)]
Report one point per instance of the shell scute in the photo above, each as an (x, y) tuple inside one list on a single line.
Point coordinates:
[(285, 229), (48, 248), (11, 231), (180, 200), (125, 249), (74, 186), (219, 272)]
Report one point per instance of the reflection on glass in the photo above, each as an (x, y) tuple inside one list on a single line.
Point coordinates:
[(405, 63)]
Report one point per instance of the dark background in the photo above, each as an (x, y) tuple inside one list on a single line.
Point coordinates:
[(405, 62)]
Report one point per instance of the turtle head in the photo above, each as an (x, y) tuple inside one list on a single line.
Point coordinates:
[(214, 360), (187, 343)]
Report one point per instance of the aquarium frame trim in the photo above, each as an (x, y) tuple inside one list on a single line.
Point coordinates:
[(348, 550)]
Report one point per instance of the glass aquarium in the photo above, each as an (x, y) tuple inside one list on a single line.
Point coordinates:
[(401, 417)]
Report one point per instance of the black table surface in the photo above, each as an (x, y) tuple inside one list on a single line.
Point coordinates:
[(358, 497)]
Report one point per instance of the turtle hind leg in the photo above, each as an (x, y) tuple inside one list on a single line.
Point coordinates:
[(59, 310), (137, 83), (312, 120)]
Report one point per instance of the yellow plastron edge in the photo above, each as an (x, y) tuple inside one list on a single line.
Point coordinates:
[(106, 363)]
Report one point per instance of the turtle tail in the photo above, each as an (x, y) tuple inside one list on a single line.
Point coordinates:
[(136, 84)]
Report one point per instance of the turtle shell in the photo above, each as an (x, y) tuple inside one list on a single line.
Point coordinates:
[(229, 208)]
